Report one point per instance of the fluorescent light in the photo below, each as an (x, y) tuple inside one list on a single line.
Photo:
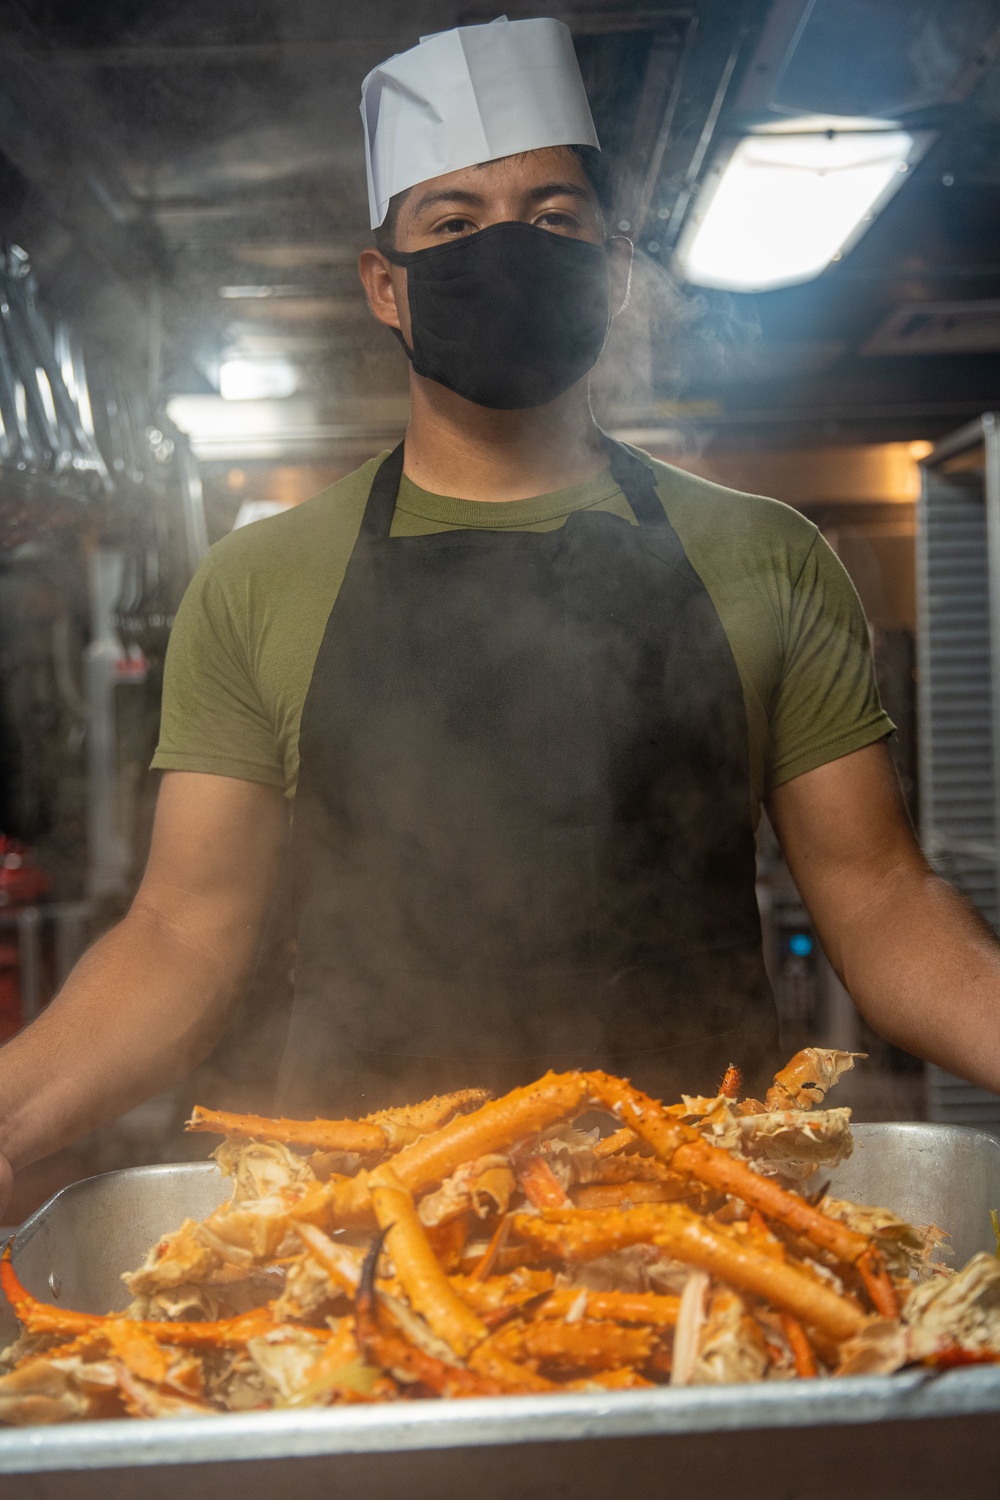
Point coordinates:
[(256, 379), (787, 202), (237, 431)]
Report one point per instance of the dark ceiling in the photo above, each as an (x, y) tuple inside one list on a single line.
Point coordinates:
[(187, 177)]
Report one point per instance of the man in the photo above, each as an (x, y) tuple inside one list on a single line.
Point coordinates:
[(528, 690)]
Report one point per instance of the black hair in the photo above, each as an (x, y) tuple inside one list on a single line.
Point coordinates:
[(591, 160)]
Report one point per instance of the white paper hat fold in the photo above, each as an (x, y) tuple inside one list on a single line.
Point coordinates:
[(469, 96)]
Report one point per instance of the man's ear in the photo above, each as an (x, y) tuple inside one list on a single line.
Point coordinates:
[(620, 253), (385, 288)]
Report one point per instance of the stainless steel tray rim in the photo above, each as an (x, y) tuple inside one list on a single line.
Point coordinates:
[(499, 1421), (25, 1232)]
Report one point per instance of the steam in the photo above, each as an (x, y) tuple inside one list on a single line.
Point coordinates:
[(668, 346)]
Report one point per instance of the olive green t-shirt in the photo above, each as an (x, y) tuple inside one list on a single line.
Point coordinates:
[(243, 647)]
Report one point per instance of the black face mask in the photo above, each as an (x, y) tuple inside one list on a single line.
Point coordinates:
[(510, 317)]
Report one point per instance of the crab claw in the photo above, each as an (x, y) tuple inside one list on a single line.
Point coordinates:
[(364, 1301)]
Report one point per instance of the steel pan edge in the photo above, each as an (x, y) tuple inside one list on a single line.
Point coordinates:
[(499, 1421)]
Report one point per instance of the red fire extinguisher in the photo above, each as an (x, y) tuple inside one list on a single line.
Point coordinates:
[(22, 883)]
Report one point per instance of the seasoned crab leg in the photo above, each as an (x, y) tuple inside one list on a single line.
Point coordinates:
[(505, 1293), (491, 1129), (338, 1264), (391, 1352), (492, 1251), (720, 1170), (386, 1130), (410, 1121), (798, 1342), (494, 1128), (43, 1317), (616, 1194), (575, 1346), (325, 1135), (685, 1151), (584, 1234), (612, 1144), (430, 1292), (619, 1307), (540, 1185), (394, 1353)]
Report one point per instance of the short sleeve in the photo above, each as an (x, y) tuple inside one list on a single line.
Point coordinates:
[(212, 719), (826, 701)]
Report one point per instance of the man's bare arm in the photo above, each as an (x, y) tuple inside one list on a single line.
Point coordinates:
[(922, 966), (147, 1002)]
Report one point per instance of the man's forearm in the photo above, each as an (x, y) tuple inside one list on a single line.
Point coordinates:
[(922, 966), (142, 1007), (924, 970)]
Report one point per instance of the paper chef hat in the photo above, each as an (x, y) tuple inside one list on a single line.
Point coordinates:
[(468, 96)]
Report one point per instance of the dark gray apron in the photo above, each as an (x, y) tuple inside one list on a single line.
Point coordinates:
[(522, 832)]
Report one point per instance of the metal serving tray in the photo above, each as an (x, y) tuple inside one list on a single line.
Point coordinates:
[(916, 1435)]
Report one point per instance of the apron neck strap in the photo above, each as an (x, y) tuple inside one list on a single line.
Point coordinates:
[(636, 483), (628, 471), (376, 522)]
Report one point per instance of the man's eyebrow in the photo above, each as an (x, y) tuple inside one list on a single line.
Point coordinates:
[(446, 195), (475, 200), (559, 189)]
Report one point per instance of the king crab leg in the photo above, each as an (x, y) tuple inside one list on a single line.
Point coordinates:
[(688, 1153)]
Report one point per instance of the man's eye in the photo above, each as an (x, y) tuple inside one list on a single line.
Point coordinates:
[(553, 218), (455, 226)]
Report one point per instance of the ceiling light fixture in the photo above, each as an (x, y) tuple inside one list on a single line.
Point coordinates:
[(791, 198), (256, 379)]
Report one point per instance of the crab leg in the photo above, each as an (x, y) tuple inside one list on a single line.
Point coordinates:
[(335, 1260), (871, 1268), (585, 1234), (137, 1349), (429, 1291), (618, 1141), (505, 1293), (493, 1128), (483, 1268), (720, 1170), (325, 1135), (391, 1351), (386, 1130), (406, 1124), (540, 1185), (43, 1317), (576, 1346), (617, 1307), (798, 1342), (513, 1378), (615, 1194), (687, 1152)]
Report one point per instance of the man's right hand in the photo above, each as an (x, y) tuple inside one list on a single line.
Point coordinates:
[(148, 1001)]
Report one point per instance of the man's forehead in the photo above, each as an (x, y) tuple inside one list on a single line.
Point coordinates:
[(550, 167)]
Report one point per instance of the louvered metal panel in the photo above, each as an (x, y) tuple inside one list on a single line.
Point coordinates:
[(958, 645)]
